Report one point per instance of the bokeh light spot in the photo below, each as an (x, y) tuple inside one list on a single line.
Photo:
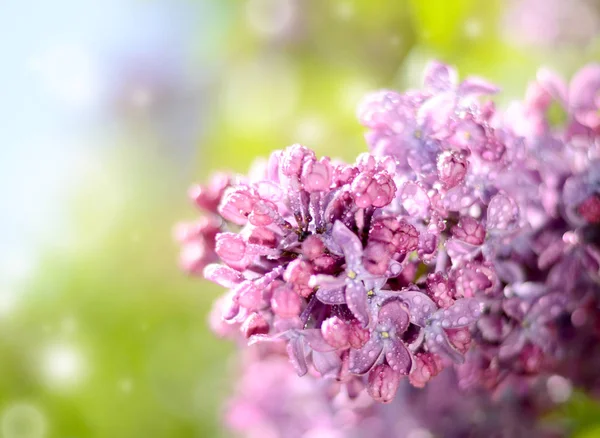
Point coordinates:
[(270, 17), (23, 420)]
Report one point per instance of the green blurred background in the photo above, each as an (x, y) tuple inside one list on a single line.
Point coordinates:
[(111, 109)]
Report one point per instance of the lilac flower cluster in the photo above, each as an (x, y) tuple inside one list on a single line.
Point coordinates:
[(465, 241)]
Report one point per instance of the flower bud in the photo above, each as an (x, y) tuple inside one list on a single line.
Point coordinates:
[(313, 247), (469, 230), (285, 302), (298, 274), (383, 383), (590, 209), (376, 190), (208, 197), (357, 335), (237, 204), (451, 168), (335, 332), (232, 250), (293, 159), (316, 175), (255, 324)]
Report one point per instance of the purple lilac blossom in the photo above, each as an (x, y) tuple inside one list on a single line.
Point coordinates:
[(463, 245)]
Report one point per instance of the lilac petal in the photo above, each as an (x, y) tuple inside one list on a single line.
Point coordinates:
[(376, 283), (295, 349), (547, 308), (414, 199), (261, 250), (288, 326), (394, 314), (223, 275), (528, 289), (541, 336), (361, 361), (350, 245), (327, 364), (327, 281), (553, 84), (333, 295), (255, 339), (356, 299), (269, 191), (457, 248), (437, 342), (512, 345), (461, 314), (459, 198), (584, 87), (502, 214), (474, 86), (434, 115), (516, 308), (575, 190), (492, 328), (509, 271), (440, 77), (420, 306), (398, 357), (315, 340)]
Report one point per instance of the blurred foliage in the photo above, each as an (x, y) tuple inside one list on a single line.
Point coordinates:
[(113, 293)]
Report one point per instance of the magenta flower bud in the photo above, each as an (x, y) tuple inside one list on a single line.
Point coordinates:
[(460, 338), (427, 366), (255, 324), (293, 159), (285, 302), (248, 295), (323, 264), (198, 242), (469, 230), (590, 209), (237, 205), (440, 289), (263, 236), (357, 335), (298, 274), (336, 332), (406, 238), (451, 168), (232, 250), (194, 257), (316, 175), (472, 279), (313, 247), (206, 228), (216, 318), (376, 190), (344, 174), (208, 197), (383, 383), (376, 258)]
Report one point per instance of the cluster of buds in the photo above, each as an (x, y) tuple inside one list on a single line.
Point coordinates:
[(465, 240)]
